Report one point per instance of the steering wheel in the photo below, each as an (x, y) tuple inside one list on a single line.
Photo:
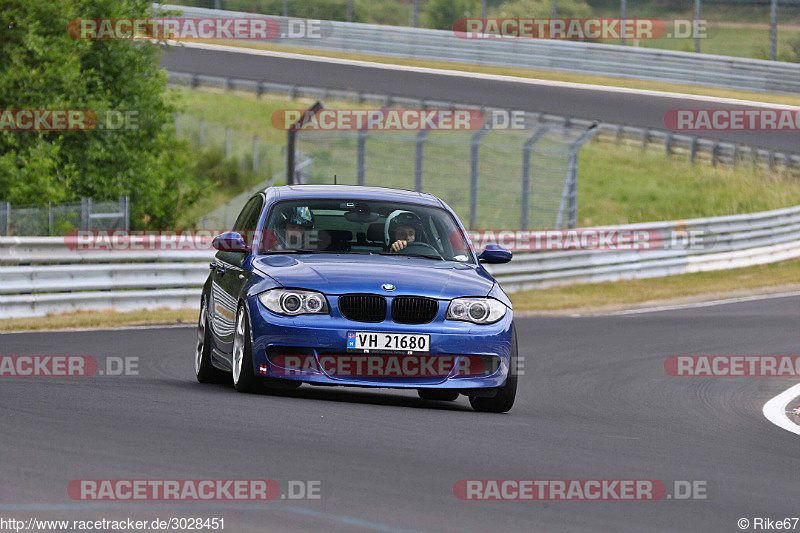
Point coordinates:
[(422, 248)]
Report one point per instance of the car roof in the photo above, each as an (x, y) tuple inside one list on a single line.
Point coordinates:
[(355, 192)]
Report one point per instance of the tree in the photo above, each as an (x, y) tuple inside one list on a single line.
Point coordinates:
[(42, 67)]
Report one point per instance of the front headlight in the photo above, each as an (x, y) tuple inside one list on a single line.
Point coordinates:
[(293, 302), (476, 310)]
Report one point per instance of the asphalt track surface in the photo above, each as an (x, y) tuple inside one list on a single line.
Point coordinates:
[(606, 106), (594, 403)]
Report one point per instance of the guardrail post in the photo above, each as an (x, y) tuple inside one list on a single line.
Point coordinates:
[(694, 150), (419, 156), (8, 219), (360, 153), (668, 144), (735, 155), (49, 218), (474, 175), (645, 138), (526, 172), (714, 154)]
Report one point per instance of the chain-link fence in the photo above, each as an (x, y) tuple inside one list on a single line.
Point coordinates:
[(493, 178), (251, 153), (58, 219)]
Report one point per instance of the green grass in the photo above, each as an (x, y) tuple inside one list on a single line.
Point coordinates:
[(627, 185)]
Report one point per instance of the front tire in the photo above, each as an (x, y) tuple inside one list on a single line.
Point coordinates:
[(503, 401), (203, 368), (244, 377)]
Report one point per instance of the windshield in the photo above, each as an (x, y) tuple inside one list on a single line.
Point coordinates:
[(364, 227)]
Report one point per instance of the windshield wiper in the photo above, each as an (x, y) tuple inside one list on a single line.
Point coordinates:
[(395, 254)]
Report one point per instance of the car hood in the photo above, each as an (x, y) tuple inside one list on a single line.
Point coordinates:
[(344, 273)]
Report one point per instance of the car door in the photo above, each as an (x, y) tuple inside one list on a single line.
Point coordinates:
[(234, 271), (223, 302)]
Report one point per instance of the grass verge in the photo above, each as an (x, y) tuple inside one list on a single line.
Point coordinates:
[(101, 319)]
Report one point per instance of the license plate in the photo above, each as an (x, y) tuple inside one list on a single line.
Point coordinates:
[(374, 342)]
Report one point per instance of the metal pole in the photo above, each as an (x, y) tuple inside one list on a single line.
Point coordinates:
[(419, 156), (84, 214), (255, 154), (474, 175), (8, 218), (773, 31), (623, 15), (49, 218), (361, 149), (526, 172), (290, 142), (414, 13), (127, 212), (696, 25), (553, 19), (349, 10), (285, 8), (569, 195), (217, 4), (227, 143), (483, 9)]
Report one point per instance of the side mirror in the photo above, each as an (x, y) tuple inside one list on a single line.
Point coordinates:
[(494, 254), (230, 241)]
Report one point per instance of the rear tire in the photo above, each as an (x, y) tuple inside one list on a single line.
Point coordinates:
[(503, 401), (244, 377), (438, 395), (203, 368)]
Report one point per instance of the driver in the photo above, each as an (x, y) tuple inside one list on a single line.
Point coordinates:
[(404, 229), (299, 223)]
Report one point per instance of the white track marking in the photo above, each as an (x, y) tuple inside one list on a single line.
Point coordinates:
[(483, 76), (775, 409)]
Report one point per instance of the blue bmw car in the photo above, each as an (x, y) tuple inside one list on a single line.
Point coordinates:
[(356, 286)]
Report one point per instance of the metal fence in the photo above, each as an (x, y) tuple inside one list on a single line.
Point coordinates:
[(565, 56), (251, 153), (491, 178), (58, 219)]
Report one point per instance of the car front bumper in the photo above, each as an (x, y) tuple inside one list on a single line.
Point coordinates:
[(317, 338)]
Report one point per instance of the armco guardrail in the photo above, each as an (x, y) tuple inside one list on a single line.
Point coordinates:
[(710, 150), (731, 242), (566, 56), (30, 285)]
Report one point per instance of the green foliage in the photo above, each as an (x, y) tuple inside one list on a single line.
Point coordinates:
[(541, 9), (441, 14), (42, 67)]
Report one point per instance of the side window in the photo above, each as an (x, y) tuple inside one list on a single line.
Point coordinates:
[(251, 222), (243, 215)]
